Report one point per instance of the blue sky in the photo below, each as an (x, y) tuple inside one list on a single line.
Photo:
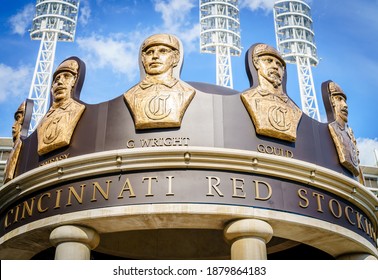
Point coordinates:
[(109, 33)]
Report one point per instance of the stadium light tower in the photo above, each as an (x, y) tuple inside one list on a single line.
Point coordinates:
[(53, 21), (295, 42), (220, 34)]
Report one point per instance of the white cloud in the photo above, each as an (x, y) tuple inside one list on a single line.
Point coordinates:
[(120, 52), (176, 16), (117, 51), (22, 20), (174, 12), (14, 82), (366, 147), (84, 12), (266, 5)]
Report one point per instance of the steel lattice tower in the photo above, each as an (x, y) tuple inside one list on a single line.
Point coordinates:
[(220, 34), (53, 21), (295, 42)]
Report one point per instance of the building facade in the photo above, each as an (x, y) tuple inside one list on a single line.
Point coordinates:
[(6, 145), (371, 177), (175, 170)]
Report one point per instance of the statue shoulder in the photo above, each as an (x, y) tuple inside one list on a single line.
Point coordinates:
[(129, 94), (248, 94), (185, 87), (76, 105)]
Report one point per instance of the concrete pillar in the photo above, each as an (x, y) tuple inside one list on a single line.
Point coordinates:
[(74, 242), (248, 238), (357, 256)]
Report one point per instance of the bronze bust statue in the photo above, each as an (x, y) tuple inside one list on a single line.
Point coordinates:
[(22, 118), (272, 111), (337, 113), (161, 98), (57, 126), (11, 165)]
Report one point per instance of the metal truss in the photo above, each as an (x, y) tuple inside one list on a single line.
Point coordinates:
[(220, 35), (40, 88), (296, 43), (53, 21), (224, 71), (307, 90)]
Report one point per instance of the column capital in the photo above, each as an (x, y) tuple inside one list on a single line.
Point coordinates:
[(75, 233), (248, 228)]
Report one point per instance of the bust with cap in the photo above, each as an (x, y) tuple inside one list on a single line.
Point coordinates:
[(11, 164), (161, 98), (271, 110), (342, 134), (57, 126)]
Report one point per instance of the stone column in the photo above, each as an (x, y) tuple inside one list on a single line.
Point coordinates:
[(74, 242), (248, 238), (356, 256)]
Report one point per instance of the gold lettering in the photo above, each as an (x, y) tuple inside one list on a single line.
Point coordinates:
[(269, 150), (186, 139), (213, 186), (39, 203), (372, 232), (274, 151), (127, 187), (177, 141), (367, 226), (130, 144), (57, 201), (261, 148), (28, 208), (169, 193), (57, 158), (278, 151), (330, 204), (168, 141), (96, 186), (236, 187), (72, 191), (359, 220), (17, 213), (347, 214), (257, 190), (289, 154), (318, 200), (145, 142), (156, 142), (160, 142), (149, 190), (302, 193), (6, 223)]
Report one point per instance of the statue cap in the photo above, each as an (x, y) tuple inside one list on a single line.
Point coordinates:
[(161, 39), (20, 109), (69, 65), (335, 89), (264, 49)]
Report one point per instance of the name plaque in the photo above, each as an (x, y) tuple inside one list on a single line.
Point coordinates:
[(188, 187)]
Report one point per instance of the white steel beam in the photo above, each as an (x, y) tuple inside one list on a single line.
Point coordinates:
[(224, 71), (295, 42), (220, 35), (307, 90), (40, 87)]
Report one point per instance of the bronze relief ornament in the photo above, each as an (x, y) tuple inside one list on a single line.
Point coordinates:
[(57, 126), (342, 135), (22, 118), (273, 113), (160, 99)]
